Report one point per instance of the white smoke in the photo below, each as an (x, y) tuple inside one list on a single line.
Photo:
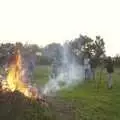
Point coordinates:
[(70, 73)]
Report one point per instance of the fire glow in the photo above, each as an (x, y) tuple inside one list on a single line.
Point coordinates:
[(16, 81)]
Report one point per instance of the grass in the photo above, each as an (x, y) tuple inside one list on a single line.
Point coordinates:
[(41, 75), (92, 102)]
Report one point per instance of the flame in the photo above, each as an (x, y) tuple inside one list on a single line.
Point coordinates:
[(15, 78)]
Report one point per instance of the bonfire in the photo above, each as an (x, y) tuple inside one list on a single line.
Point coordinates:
[(16, 79)]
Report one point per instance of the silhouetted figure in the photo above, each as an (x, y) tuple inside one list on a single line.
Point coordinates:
[(54, 68), (93, 65), (87, 67), (110, 70)]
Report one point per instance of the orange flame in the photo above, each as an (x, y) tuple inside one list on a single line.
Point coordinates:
[(15, 79)]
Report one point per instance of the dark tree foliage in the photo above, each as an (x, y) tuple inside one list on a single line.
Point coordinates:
[(79, 47), (84, 45)]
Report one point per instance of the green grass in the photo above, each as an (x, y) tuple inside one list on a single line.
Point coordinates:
[(41, 75), (92, 102)]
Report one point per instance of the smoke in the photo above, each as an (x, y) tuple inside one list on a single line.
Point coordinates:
[(69, 73)]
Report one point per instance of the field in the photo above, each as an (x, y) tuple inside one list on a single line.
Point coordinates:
[(91, 100)]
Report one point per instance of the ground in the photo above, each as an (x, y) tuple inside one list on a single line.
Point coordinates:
[(15, 106), (91, 100)]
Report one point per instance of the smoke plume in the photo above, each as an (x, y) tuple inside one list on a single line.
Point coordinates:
[(69, 73)]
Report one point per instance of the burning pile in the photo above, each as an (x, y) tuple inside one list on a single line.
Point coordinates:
[(16, 78)]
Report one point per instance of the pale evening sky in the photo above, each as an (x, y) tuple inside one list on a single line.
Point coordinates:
[(46, 21)]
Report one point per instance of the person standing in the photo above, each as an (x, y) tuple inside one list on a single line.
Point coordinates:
[(110, 70), (54, 68), (87, 67), (93, 65)]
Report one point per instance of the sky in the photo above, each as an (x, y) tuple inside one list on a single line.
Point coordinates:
[(45, 21)]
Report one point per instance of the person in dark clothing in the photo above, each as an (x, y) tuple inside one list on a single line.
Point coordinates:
[(110, 70), (93, 65), (87, 68)]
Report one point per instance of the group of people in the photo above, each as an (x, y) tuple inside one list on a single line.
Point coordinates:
[(90, 66)]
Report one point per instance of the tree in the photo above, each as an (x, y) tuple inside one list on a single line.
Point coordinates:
[(99, 47), (116, 60), (52, 50), (85, 45)]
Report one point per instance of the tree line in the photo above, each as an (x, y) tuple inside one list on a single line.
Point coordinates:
[(79, 47)]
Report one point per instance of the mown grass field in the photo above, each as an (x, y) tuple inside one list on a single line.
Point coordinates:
[(91, 100)]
